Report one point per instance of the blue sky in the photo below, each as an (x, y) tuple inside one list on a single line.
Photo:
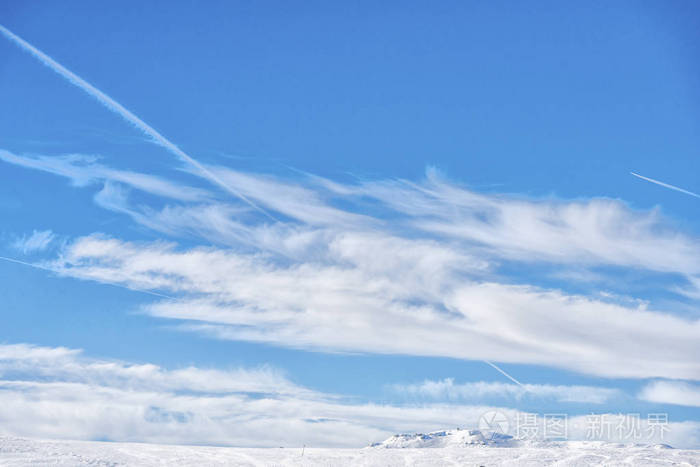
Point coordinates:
[(392, 194)]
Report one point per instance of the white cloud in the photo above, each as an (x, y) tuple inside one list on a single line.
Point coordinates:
[(671, 392), (58, 393), (39, 240), (447, 390), (410, 268), (84, 170), (598, 231), (362, 293), (68, 366), (291, 199), (574, 233)]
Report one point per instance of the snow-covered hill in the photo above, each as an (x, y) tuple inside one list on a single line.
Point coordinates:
[(22, 452), (449, 438)]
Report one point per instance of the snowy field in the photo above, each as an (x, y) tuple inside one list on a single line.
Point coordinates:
[(20, 452)]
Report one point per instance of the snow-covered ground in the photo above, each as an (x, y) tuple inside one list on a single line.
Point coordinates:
[(448, 448)]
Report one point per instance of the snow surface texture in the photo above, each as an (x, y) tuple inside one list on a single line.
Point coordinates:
[(473, 452)]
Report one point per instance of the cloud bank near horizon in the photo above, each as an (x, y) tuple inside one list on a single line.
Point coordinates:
[(85, 398)]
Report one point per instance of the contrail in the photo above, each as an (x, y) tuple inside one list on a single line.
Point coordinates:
[(124, 113), (506, 375), (114, 284), (666, 185)]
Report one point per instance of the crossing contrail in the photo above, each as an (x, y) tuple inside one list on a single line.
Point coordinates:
[(666, 185), (126, 114)]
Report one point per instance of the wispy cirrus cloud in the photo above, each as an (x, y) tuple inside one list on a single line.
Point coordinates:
[(363, 295), (593, 232), (447, 390), (71, 366), (597, 232), (83, 170), (39, 240), (402, 267)]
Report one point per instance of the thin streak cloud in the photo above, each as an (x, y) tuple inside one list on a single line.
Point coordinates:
[(666, 185), (127, 115), (45, 268)]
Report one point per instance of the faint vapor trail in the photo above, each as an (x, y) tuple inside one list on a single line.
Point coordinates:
[(666, 185), (506, 375), (123, 112), (114, 284)]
